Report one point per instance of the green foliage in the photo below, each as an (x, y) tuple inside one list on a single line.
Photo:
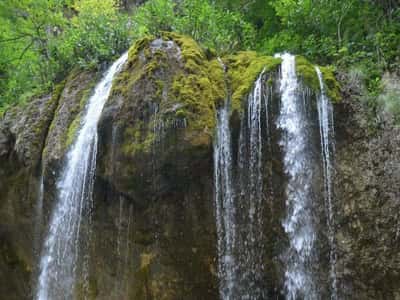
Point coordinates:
[(26, 61), (348, 34), (42, 40), (155, 16), (97, 33), (218, 29), (215, 28)]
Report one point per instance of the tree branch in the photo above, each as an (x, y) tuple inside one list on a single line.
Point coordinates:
[(15, 38)]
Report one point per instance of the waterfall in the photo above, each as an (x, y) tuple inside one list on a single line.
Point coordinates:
[(240, 242), (38, 217), (225, 205), (60, 259), (251, 265), (38, 227), (326, 127), (298, 222)]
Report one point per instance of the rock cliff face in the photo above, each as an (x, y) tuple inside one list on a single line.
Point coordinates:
[(154, 231), (367, 195)]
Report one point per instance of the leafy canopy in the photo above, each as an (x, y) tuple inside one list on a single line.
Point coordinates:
[(42, 40)]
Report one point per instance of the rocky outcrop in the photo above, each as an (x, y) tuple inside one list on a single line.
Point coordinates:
[(368, 206), (25, 134), (72, 96), (22, 134)]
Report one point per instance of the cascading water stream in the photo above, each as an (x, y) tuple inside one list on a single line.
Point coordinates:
[(298, 222), (38, 217), (60, 259), (38, 230), (240, 250), (326, 127), (250, 249), (255, 156), (225, 205)]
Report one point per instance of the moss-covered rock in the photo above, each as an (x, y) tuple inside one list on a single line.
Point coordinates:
[(72, 97), (187, 95), (243, 70), (306, 72), (23, 131), (76, 123), (332, 85)]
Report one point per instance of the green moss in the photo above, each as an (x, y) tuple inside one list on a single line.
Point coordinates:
[(72, 130), (137, 47), (76, 123), (190, 50), (200, 87), (55, 96), (331, 84), (57, 91), (243, 69), (86, 93), (197, 87), (180, 114), (143, 288), (307, 74), (137, 139), (137, 69)]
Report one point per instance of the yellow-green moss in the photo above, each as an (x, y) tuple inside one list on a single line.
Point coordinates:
[(55, 96), (200, 87), (57, 91), (76, 123), (331, 84), (72, 130), (137, 47), (137, 70), (142, 276), (307, 73), (180, 114), (82, 291), (190, 49), (243, 69), (137, 139)]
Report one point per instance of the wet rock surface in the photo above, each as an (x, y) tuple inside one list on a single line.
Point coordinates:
[(367, 203)]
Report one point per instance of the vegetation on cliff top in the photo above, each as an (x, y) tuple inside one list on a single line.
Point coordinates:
[(243, 69), (187, 83), (308, 75), (42, 40)]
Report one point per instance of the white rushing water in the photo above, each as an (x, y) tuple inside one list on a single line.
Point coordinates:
[(326, 128), (225, 205), (250, 248), (255, 156), (61, 254), (240, 242), (38, 217), (298, 222)]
